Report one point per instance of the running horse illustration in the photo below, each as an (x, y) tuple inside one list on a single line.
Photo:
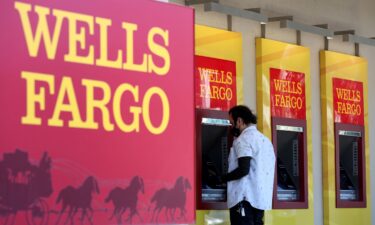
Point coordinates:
[(124, 198), (24, 187), (78, 198), (171, 199)]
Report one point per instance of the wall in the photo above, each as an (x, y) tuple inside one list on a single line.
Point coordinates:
[(339, 15)]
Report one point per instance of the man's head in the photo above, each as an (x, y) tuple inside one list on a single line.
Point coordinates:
[(240, 117)]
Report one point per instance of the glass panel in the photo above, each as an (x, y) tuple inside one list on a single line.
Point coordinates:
[(289, 146), (349, 166), (215, 151)]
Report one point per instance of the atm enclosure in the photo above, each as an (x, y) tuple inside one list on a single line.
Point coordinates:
[(213, 144), (350, 166), (290, 186)]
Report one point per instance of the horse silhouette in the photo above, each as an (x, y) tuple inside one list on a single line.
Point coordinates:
[(78, 198), (171, 199), (123, 199)]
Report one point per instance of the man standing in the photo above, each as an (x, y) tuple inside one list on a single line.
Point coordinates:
[(250, 171)]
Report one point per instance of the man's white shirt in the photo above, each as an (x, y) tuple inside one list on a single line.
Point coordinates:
[(257, 186)]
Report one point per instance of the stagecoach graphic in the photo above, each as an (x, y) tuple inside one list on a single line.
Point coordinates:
[(23, 187), (26, 186)]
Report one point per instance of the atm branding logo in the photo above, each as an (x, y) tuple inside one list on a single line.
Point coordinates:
[(348, 101), (287, 94), (46, 34), (215, 83), (98, 92)]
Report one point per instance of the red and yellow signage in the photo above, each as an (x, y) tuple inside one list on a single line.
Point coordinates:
[(215, 83), (287, 94), (348, 101), (344, 94), (283, 90), (93, 95), (223, 49), (217, 45)]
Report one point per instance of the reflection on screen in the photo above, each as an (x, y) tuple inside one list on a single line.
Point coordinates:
[(215, 151), (288, 164), (349, 162)]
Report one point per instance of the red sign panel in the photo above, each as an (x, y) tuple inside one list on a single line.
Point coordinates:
[(348, 101), (93, 95), (215, 83), (287, 94)]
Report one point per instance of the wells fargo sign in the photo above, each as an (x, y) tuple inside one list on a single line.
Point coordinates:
[(348, 101), (93, 95), (287, 94), (215, 83)]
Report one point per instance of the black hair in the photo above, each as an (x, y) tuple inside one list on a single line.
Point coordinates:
[(242, 111)]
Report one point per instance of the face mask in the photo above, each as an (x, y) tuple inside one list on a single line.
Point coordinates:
[(235, 131)]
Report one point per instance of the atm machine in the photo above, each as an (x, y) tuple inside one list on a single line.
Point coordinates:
[(216, 93), (289, 140), (350, 166), (213, 143)]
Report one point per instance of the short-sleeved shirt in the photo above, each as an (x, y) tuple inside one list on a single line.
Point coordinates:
[(257, 186)]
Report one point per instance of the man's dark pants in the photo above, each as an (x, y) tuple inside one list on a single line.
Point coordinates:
[(245, 214)]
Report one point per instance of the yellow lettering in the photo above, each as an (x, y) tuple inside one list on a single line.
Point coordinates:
[(103, 60), (346, 94), (358, 94), (66, 102), (339, 93), (288, 101), (203, 91), (32, 97), (229, 78), (66, 90), (92, 103), (146, 110), (358, 110), (215, 92), (134, 126), (277, 84), (343, 109), (130, 65), (299, 88), (76, 38), (41, 31), (349, 109), (159, 50), (339, 106), (222, 93), (277, 100)]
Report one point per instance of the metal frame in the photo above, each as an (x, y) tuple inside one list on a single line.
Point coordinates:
[(247, 14), (306, 28), (285, 22), (194, 2)]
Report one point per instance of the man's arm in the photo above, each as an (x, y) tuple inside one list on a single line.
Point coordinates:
[(241, 171)]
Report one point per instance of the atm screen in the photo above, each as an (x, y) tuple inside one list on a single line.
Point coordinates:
[(289, 144), (349, 142), (215, 149)]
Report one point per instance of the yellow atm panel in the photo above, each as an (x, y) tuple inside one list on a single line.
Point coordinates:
[(345, 144), (284, 115), (218, 68)]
